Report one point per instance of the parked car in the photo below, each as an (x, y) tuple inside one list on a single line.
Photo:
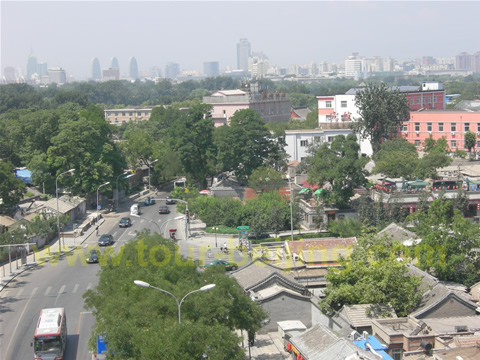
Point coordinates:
[(169, 200), (163, 210), (125, 222), (92, 257), (228, 265), (149, 201), (105, 240)]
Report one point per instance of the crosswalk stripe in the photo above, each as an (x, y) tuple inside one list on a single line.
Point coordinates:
[(75, 288), (48, 290), (62, 289), (89, 286)]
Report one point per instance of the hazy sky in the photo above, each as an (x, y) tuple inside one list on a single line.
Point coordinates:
[(69, 34)]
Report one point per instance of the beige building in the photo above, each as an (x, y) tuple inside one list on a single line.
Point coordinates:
[(120, 116)]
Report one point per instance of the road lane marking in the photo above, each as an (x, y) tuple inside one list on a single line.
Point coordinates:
[(48, 291), (75, 288), (20, 318), (114, 234), (60, 292), (20, 292), (89, 286)]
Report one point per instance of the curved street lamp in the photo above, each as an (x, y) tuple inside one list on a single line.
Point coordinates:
[(179, 304), (153, 222), (58, 211)]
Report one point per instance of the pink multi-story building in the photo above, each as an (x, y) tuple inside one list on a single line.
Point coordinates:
[(442, 123), (272, 107)]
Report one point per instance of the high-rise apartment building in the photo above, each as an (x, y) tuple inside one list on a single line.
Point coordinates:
[(463, 61), (95, 70), (354, 67), (172, 70), (133, 68), (211, 68), (243, 53)]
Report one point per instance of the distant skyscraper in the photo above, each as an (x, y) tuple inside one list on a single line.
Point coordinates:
[(243, 53), (114, 63), (9, 74), (172, 70), (463, 61), (31, 66), (133, 68), (96, 71), (57, 76), (211, 68)]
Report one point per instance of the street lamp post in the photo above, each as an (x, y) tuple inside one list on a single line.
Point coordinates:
[(149, 166), (291, 207), (166, 222), (179, 304), (126, 177), (58, 211), (108, 182)]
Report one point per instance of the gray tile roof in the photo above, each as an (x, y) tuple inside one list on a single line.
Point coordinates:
[(257, 272), (63, 206), (397, 232), (358, 317)]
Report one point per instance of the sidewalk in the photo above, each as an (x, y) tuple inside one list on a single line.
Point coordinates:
[(9, 271)]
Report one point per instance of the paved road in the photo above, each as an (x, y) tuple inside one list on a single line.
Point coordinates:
[(62, 283)]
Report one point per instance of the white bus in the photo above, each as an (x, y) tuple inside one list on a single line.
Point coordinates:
[(50, 339)]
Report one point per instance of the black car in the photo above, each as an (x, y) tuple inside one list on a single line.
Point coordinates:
[(169, 200), (93, 257), (163, 210), (125, 222), (105, 240)]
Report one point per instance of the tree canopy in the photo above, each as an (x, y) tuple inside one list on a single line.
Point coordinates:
[(372, 275), (339, 165), (382, 111), (142, 323)]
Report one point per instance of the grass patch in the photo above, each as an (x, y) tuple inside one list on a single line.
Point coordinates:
[(222, 229)]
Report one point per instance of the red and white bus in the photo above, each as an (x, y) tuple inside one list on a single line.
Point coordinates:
[(50, 339)]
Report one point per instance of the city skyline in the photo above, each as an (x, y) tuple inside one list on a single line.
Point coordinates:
[(61, 33)]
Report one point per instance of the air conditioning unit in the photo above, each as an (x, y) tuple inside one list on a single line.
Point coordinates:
[(417, 132), (478, 133), (453, 133), (430, 133)]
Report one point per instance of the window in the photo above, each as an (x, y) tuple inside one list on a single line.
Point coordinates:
[(434, 99), (397, 354), (344, 117), (328, 117), (417, 142), (429, 99), (417, 126), (478, 143), (116, 114), (303, 143), (131, 114), (412, 101), (418, 100), (453, 127), (467, 127), (478, 127), (405, 128), (343, 104), (440, 126), (123, 114), (139, 114), (453, 144), (330, 139), (328, 104), (429, 127)]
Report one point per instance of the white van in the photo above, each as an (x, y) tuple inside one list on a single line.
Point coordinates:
[(135, 209)]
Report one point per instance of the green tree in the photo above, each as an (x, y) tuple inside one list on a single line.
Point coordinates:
[(396, 158), (382, 111), (427, 166), (470, 140), (372, 275), (449, 243), (11, 188), (439, 145), (245, 145), (142, 323), (338, 164), (266, 179), (191, 137)]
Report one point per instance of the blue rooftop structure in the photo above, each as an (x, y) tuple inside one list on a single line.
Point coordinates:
[(375, 345)]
